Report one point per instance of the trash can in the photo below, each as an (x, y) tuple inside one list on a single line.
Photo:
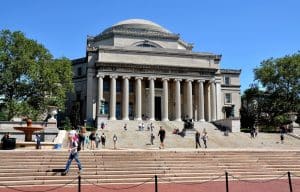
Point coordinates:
[(9, 144)]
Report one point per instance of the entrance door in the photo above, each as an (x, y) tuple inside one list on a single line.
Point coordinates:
[(228, 112), (158, 108)]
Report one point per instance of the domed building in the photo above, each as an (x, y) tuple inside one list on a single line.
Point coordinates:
[(137, 69)]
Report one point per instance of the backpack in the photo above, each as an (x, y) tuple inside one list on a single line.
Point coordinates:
[(78, 145)]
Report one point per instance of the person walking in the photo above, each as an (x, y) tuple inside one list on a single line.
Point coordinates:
[(115, 138), (162, 135), (282, 131), (103, 139), (98, 140), (197, 139), (204, 138), (38, 141), (152, 137), (73, 149), (92, 139), (81, 137)]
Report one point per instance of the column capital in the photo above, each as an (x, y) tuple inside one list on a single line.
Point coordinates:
[(126, 77), (200, 80), (212, 80), (100, 75), (218, 80), (151, 78), (165, 79), (189, 80), (138, 77), (177, 79), (113, 76)]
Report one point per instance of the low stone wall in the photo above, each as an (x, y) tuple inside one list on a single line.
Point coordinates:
[(233, 124), (48, 134)]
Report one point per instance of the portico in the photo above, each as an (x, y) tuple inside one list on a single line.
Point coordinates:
[(171, 98)]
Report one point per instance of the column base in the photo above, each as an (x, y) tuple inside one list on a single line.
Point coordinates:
[(177, 120), (125, 119), (138, 118), (112, 118), (165, 119), (202, 120)]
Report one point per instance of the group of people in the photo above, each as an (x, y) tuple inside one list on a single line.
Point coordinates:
[(204, 137), (93, 140)]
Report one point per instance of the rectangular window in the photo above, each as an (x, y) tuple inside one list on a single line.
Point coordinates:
[(227, 97), (227, 80), (106, 107)]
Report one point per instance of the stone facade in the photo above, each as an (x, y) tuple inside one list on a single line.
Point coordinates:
[(137, 69)]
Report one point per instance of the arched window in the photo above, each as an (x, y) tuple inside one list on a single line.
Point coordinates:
[(147, 43)]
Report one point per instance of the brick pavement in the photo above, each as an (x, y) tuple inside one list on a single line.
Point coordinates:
[(216, 186)]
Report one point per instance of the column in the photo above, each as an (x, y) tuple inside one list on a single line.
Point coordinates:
[(112, 104), (201, 100), (218, 99), (177, 100), (125, 100), (165, 108), (138, 98), (151, 98), (213, 100), (100, 92), (189, 98)]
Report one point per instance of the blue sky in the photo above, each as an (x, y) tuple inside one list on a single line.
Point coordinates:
[(244, 32)]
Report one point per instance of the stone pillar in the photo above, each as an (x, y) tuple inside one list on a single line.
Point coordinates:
[(165, 115), (138, 98), (91, 100), (189, 98), (112, 104), (151, 98), (177, 100), (218, 100), (100, 92), (213, 100), (201, 100), (125, 100)]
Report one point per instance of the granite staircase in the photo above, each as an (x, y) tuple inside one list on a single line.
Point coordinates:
[(31, 168)]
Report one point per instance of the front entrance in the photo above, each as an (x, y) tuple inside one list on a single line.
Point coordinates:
[(157, 108), (229, 111)]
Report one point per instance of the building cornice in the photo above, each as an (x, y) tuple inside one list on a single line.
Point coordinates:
[(230, 86), (158, 51), (135, 69), (79, 60), (230, 71)]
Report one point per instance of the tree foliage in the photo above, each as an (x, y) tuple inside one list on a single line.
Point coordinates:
[(281, 78), (30, 78), (280, 81)]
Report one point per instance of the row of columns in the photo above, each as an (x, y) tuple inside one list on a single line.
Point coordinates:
[(165, 106)]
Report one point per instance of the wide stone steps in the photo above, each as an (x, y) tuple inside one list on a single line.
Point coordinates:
[(19, 168)]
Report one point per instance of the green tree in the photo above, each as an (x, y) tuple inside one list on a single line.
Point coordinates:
[(250, 107), (280, 79), (30, 78)]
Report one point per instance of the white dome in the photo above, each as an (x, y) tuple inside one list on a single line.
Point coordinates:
[(141, 23)]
